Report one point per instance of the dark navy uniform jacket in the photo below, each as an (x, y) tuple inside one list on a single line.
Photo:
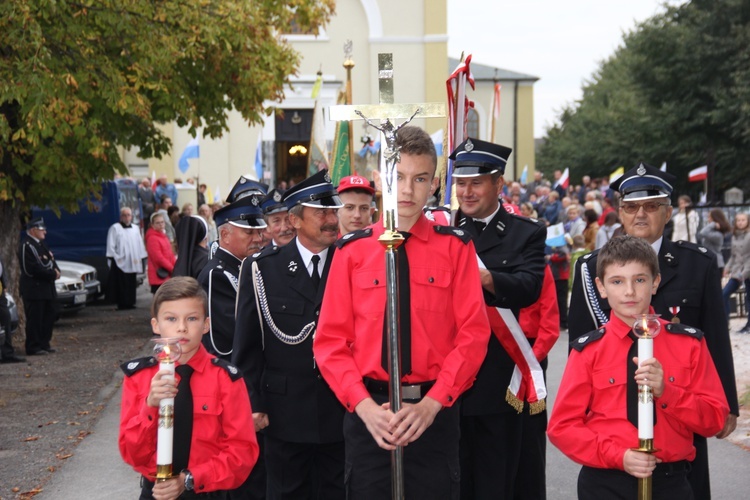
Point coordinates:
[(37, 270), (282, 377), (220, 279), (512, 249), (689, 292)]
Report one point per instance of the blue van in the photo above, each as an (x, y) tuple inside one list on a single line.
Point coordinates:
[(82, 236)]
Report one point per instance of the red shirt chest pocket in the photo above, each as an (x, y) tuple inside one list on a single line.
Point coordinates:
[(207, 411), (430, 288)]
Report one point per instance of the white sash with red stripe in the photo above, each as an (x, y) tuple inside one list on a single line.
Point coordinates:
[(527, 382)]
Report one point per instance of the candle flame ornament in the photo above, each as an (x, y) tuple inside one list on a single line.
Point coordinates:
[(167, 351), (645, 327)]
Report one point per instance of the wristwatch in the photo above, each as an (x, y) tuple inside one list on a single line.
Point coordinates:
[(188, 480)]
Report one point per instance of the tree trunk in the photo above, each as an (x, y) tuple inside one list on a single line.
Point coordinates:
[(10, 235)]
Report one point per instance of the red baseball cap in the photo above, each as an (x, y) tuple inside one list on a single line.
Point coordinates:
[(355, 182)]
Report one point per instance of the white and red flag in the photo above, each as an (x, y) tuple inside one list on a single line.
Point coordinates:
[(698, 174), (458, 108), (564, 181)]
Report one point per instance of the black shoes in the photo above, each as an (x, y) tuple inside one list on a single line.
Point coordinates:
[(13, 359), (40, 352)]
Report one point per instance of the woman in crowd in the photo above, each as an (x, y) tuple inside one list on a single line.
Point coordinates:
[(574, 225), (685, 221), (207, 214), (607, 230), (187, 210), (738, 267), (161, 258), (592, 227), (527, 210), (713, 234), (192, 246)]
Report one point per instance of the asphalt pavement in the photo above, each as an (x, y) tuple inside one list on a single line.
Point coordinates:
[(96, 470)]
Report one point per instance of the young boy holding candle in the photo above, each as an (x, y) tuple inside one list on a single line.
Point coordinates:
[(222, 446), (594, 420)]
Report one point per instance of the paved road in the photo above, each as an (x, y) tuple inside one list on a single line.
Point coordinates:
[(96, 470)]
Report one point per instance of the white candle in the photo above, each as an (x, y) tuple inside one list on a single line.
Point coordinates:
[(645, 395), (165, 435)]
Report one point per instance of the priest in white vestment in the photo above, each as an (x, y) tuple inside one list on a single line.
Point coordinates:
[(125, 254)]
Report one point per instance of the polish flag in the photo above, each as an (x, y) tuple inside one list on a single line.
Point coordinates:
[(698, 174), (564, 179)]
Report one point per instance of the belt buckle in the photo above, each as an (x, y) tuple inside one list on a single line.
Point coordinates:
[(411, 392)]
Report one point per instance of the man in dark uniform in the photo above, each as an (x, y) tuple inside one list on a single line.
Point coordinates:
[(279, 231), (281, 290), (689, 292), (38, 274), (244, 187), (512, 249), (240, 227)]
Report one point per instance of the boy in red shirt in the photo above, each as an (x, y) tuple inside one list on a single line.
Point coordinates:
[(590, 421), (223, 447)]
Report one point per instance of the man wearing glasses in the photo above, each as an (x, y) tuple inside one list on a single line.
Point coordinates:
[(689, 292)]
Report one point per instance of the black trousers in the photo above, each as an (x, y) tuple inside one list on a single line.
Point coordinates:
[(40, 318), (490, 454), (561, 287), (698, 476), (122, 287), (669, 482), (254, 487), (304, 471), (431, 465)]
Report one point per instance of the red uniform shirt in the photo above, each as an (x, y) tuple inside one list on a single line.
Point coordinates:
[(589, 421), (541, 320), (449, 326), (223, 449)]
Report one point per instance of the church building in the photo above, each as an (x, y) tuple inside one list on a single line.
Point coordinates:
[(416, 33)]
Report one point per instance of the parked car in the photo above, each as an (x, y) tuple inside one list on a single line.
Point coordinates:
[(85, 273), (71, 294), (13, 317)]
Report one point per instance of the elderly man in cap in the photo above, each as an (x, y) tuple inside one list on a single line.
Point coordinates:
[(689, 292), (125, 254), (512, 249), (356, 194), (281, 290), (38, 274), (241, 227), (279, 230), (443, 339)]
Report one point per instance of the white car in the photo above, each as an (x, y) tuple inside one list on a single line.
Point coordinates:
[(71, 294), (85, 273)]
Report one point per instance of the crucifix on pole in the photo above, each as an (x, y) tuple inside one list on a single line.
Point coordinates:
[(386, 111)]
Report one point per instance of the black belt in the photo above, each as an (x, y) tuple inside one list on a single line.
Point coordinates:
[(412, 391), (667, 468)]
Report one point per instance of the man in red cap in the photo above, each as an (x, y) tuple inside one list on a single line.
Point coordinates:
[(356, 194)]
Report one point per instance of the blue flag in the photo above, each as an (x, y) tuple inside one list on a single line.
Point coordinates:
[(259, 159), (192, 150)]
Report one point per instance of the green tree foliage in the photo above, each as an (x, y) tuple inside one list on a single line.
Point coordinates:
[(677, 91), (79, 79)]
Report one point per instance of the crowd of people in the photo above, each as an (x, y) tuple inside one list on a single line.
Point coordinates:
[(279, 301)]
